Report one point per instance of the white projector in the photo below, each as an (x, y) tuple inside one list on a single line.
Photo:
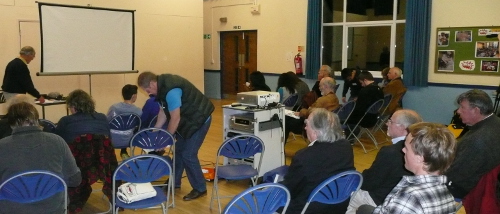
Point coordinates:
[(258, 98)]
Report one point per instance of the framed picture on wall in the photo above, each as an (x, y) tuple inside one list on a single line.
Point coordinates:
[(446, 60), (463, 36), (489, 65), (486, 49), (443, 38)]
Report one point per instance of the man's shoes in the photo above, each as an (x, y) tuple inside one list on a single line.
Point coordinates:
[(124, 156), (194, 194)]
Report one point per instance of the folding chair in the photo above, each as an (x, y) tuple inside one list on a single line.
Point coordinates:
[(152, 139), (263, 198), (291, 101), (122, 128), (335, 189), (384, 115), (153, 122), (143, 169), (33, 186), (239, 147), (47, 125), (373, 109), (345, 111)]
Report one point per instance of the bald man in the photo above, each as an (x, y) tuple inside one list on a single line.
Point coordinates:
[(388, 167), (395, 87)]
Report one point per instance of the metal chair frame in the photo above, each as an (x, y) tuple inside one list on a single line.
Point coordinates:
[(122, 124), (48, 126), (373, 109), (384, 116)]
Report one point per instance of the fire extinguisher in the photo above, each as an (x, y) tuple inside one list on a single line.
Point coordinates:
[(298, 65)]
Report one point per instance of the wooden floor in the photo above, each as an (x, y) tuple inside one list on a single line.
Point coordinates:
[(207, 158)]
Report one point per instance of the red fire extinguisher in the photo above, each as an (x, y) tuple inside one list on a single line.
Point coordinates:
[(298, 65)]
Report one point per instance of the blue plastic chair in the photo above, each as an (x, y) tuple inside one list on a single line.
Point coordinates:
[(47, 125), (291, 101), (263, 198), (270, 176), (345, 111), (335, 189), (122, 129), (384, 115), (33, 186), (373, 109), (143, 169), (151, 139), (233, 150)]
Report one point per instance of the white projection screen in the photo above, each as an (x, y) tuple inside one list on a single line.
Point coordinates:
[(86, 40)]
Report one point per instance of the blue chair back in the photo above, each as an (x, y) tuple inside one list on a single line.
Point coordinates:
[(47, 125), (336, 189), (291, 100), (153, 122), (263, 198), (122, 128), (241, 146), (387, 100), (375, 107), (124, 122), (345, 111), (32, 186), (151, 138)]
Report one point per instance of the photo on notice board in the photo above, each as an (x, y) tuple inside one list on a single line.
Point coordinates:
[(463, 36), (446, 60), (486, 49), (489, 65), (443, 38)]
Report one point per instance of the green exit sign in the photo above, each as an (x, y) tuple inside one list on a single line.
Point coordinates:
[(207, 36)]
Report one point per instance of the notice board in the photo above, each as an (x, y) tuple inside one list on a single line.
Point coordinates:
[(468, 50)]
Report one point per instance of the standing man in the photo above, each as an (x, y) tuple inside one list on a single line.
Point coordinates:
[(17, 79), (389, 165), (189, 117), (395, 87), (478, 150)]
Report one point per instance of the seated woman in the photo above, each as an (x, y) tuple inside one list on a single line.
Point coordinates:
[(285, 86), (429, 151), (86, 133), (258, 82), (29, 148), (5, 129)]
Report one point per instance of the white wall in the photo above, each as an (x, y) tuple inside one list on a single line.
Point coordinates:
[(461, 13), (281, 28), (168, 36)]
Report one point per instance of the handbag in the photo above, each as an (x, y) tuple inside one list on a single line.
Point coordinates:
[(132, 192)]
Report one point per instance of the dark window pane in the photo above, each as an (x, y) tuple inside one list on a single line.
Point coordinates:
[(332, 47), (332, 11)]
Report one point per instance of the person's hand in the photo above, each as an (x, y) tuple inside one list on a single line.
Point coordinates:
[(344, 99), (296, 113), (41, 99)]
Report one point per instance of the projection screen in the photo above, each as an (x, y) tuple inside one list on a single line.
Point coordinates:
[(85, 40)]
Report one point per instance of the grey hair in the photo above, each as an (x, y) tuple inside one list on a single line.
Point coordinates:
[(408, 117), (477, 98), (329, 82), (329, 71), (27, 50), (398, 71), (326, 124), (19, 98)]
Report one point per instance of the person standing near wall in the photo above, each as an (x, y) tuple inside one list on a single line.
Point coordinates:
[(189, 117), (17, 79)]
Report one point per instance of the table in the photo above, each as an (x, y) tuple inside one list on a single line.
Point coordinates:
[(51, 103)]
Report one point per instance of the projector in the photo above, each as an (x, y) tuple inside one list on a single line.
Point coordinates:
[(258, 98)]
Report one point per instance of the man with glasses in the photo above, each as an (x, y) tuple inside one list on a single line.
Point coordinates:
[(388, 167)]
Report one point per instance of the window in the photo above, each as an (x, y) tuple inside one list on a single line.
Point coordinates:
[(364, 34)]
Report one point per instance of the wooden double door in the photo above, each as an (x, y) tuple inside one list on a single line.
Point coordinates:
[(239, 59)]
